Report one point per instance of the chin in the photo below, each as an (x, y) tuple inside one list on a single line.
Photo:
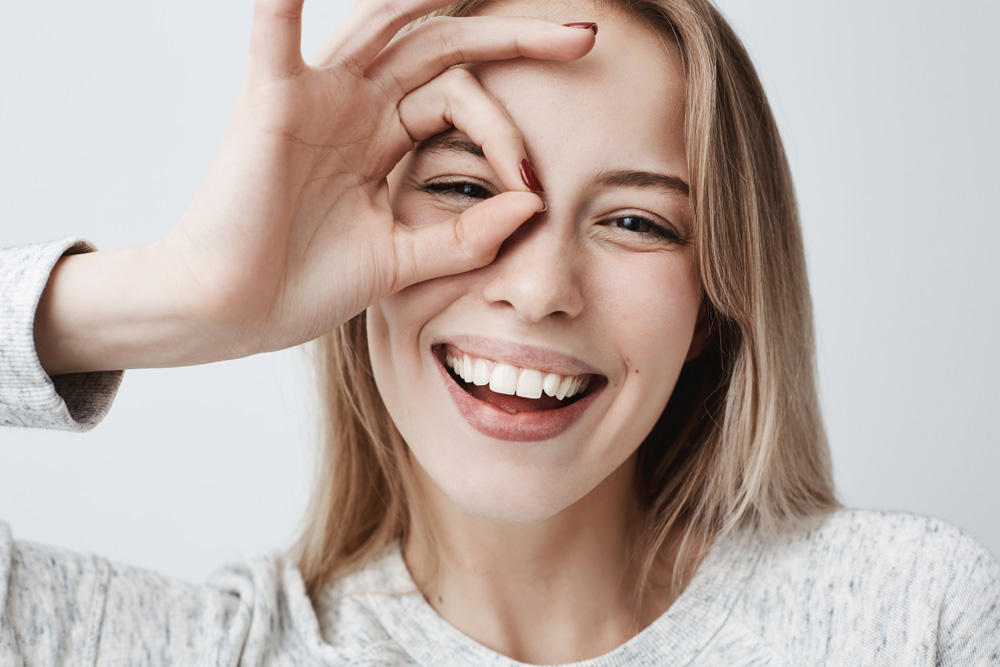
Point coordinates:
[(501, 492)]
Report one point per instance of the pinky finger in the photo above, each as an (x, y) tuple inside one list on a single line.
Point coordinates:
[(466, 242), (276, 38)]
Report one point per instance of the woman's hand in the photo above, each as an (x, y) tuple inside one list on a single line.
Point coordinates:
[(291, 232)]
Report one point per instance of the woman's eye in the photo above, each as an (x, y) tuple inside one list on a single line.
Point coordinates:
[(635, 224), (459, 189), (645, 227)]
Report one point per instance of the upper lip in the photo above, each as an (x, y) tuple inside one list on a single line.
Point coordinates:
[(543, 359)]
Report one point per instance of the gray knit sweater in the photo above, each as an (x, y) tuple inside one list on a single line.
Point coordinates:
[(862, 588)]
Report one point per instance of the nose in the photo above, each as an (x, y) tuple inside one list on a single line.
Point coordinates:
[(536, 273)]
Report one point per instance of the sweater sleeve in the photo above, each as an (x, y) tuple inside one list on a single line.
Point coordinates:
[(58, 607), (28, 396), (969, 621)]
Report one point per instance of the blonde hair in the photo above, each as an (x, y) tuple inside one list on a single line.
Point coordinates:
[(740, 445)]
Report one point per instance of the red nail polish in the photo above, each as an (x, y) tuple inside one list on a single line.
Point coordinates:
[(530, 178), (583, 25)]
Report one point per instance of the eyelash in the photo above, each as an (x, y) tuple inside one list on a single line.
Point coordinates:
[(654, 230), (451, 189)]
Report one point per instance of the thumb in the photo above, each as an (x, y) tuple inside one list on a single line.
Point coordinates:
[(465, 242)]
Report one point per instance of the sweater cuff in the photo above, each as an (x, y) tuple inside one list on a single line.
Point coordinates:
[(28, 396)]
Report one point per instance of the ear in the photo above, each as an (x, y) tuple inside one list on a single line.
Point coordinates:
[(704, 331)]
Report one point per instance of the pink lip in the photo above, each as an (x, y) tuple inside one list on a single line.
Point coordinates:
[(517, 354), (496, 422)]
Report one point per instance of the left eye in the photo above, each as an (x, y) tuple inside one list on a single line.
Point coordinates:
[(460, 189), (644, 227)]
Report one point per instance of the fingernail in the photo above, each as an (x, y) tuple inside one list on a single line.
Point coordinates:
[(545, 206), (583, 25), (530, 178)]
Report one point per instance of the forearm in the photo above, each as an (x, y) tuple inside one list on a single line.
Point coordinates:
[(113, 310)]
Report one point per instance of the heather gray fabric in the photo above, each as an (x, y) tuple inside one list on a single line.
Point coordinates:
[(29, 397), (862, 588)]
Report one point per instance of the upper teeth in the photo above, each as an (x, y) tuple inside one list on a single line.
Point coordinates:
[(506, 379)]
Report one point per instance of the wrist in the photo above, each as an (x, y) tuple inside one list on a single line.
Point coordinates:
[(113, 310)]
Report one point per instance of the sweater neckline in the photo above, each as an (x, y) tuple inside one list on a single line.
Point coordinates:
[(675, 638)]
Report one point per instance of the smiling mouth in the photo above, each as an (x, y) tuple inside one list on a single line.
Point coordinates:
[(515, 389)]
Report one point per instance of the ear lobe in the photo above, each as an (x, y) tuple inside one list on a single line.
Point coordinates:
[(703, 334)]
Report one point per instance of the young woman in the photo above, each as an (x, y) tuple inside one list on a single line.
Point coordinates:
[(571, 407)]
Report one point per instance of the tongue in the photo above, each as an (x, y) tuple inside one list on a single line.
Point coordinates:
[(516, 403)]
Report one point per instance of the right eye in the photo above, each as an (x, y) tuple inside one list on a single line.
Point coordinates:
[(462, 190)]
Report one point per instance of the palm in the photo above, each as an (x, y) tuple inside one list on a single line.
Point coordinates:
[(340, 230)]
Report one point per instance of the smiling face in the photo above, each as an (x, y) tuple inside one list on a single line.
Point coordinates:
[(599, 295)]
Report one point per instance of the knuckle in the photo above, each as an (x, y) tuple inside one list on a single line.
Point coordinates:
[(469, 250), (512, 133), (435, 23), (345, 62), (450, 53), (283, 12), (393, 15), (459, 234), (291, 72), (457, 85), (458, 76)]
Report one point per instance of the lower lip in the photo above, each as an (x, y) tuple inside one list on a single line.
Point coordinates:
[(496, 422)]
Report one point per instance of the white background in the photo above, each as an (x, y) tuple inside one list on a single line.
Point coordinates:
[(110, 112)]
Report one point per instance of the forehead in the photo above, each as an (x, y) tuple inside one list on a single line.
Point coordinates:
[(625, 96)]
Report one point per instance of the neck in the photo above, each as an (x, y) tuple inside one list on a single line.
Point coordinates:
[(561, 590)]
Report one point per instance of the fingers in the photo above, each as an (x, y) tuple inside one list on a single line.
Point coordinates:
[(466, 242), (369, 26), (456, 99), (276, 38), (432, 47)]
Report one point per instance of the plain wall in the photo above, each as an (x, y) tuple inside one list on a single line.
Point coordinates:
[(110, 112)]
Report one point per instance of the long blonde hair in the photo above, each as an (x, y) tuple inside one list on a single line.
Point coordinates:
[(740, 444)]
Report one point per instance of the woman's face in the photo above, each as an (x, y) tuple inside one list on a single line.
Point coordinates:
[(603, 285)]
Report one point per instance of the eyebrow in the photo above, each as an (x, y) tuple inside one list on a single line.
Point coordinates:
[(457, 142), (644, 179), (450, 141)]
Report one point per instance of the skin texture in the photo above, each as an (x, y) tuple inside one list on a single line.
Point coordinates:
[(532, 536)]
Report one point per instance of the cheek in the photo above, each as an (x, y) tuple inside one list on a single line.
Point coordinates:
[(650, 314), (651, 307), (394, 328), (406, 312)]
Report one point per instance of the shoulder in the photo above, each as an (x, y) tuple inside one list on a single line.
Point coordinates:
[(875, 550), (912, 586), (894, 538)]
